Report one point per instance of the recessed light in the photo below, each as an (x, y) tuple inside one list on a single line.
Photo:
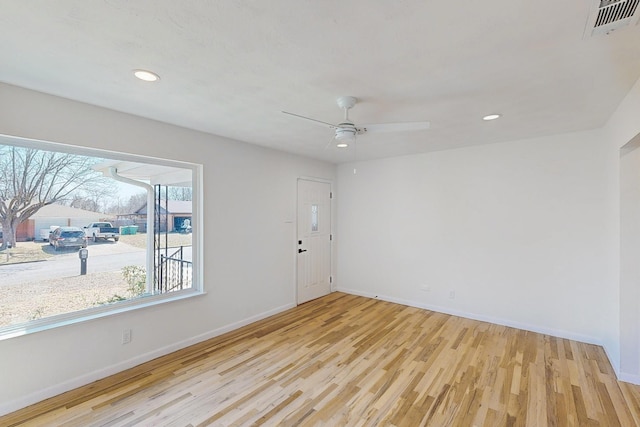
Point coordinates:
[(492, 117), (342, 145), (145, 75)]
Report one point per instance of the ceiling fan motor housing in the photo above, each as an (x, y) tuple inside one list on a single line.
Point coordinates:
[(346, 131)]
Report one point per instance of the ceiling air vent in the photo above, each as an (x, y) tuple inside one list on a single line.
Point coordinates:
[(609, 15)]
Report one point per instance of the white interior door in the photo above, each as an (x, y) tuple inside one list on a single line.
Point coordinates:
[(314, 240)]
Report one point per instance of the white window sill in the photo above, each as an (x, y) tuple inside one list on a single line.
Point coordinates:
[(93, 313)]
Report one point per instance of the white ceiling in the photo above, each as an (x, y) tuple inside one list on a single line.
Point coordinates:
[(230, 67)]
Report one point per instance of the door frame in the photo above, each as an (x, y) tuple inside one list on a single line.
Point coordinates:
[(332, 260)]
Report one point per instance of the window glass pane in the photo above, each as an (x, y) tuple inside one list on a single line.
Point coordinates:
[(138, 233), (314, 217)]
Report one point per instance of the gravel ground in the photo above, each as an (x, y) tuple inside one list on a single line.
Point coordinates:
[(28, 301)]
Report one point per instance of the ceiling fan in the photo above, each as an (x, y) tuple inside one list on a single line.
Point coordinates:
[(346, 131)]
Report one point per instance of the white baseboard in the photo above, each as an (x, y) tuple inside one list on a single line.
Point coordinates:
[(14, 405), (621, 375), (614, 361), (473, 316), (629, 378)]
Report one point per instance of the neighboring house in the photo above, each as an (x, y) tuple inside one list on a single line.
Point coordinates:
[(54, 215), (176, 213)]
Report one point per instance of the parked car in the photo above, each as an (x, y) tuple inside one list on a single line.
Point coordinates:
[(68, 237)]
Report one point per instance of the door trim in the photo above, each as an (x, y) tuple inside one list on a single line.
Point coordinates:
[(332, 259)]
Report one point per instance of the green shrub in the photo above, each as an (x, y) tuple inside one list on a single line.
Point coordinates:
[(136, 278)]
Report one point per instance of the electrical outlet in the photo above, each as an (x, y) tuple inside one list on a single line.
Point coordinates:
[(126, 336), (425, 288), (452, 295)]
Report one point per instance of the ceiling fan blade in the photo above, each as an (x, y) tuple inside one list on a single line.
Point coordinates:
[(310, 119), (331, 141), (395, 127)]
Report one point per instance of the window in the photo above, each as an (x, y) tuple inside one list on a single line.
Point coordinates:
[(314, 218), (137, 217)]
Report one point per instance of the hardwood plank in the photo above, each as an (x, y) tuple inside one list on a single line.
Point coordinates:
[(349, 360)]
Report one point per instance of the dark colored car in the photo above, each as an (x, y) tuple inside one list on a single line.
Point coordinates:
[(68, 237)]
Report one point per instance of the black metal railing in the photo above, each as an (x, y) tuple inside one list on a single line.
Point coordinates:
[(160, 225), (174, 273)]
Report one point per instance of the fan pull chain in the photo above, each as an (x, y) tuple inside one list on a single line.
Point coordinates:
[(355, 153)]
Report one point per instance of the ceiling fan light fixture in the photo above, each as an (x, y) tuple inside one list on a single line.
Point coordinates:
[(342, 144), (490, 117), (146, 75)]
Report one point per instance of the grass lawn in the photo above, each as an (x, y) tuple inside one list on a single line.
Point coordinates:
[(139, 240), (25, 252)]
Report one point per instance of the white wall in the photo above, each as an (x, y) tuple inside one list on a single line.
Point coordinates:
[(527, 233), (249, 245), (517, 230), (630, 259), (623, 130)]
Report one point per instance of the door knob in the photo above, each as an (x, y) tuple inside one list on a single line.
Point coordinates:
[(301, 250)]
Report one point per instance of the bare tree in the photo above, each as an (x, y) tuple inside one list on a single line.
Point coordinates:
[(82, 202), (95, 197), (115, 206), (180, 193), (31, 179), (136, 201)]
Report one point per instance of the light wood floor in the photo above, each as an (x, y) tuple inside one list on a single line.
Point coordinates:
[(348, 360)]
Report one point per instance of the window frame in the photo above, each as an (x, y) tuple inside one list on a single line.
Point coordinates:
[(128, 305)]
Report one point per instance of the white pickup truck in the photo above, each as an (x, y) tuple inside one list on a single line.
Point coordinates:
[(102, 230)]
